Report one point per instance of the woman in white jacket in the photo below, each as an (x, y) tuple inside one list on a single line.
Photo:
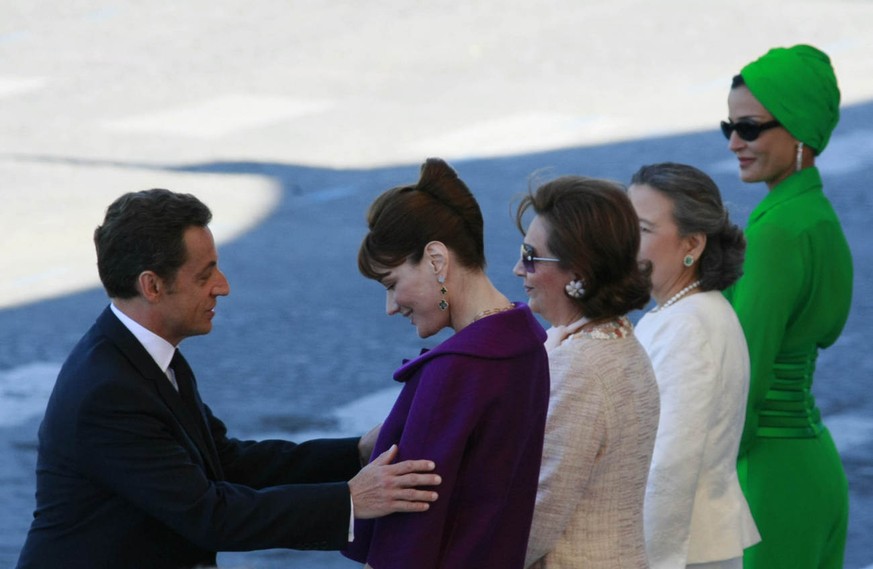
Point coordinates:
[(695, 513)]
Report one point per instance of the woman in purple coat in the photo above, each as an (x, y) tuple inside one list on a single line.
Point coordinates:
[(476, 404)]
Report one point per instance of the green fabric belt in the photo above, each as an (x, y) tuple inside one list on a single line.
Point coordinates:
[(788, 410)]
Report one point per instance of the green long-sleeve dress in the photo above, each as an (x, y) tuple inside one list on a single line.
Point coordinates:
[(792, 300)]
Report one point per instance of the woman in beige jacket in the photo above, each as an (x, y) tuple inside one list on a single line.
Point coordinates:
[(581, 274)]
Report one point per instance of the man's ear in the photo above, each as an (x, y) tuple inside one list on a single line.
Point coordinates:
[(150, 286), (437, 254)]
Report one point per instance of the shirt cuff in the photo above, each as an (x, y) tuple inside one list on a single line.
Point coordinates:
[(351, 519)]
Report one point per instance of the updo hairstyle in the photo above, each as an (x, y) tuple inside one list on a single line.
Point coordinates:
[(404, 219)]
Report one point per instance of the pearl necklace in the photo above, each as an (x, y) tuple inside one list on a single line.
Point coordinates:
[(677, 296)]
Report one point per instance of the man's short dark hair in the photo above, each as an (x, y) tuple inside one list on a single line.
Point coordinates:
[(144, 231)]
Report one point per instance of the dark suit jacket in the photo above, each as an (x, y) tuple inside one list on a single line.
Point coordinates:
[(127, 477)]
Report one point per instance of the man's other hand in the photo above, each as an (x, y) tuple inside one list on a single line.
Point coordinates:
[(382, 488)]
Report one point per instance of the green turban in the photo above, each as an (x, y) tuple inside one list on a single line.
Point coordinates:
[(798, 86)]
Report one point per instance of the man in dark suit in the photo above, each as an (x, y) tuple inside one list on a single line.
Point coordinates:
[(135, 471)]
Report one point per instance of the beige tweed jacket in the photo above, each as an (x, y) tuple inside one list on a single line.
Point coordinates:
[(600, 432)]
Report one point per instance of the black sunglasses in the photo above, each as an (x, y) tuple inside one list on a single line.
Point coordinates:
[(747, 130), (528, 256)]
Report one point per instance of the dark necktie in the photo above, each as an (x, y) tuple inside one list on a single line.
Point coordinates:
[(185, 381)]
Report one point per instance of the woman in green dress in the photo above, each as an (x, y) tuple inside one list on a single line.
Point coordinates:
[(792, 300)]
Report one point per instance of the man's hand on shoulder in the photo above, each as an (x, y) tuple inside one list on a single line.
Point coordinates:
[(382, 488)]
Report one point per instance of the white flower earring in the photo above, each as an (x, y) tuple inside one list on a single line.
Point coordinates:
[(575, 289)]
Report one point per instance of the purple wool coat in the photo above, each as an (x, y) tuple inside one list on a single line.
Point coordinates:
[(476, 405)]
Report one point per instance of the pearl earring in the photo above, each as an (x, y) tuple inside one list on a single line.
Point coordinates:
[(688, 260), (444, 304)]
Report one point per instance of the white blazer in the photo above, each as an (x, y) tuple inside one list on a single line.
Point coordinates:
[(695, 511)]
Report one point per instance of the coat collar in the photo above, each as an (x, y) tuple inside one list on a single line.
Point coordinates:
[(113, 329), (500, 336), (159, 349), (799, 183)]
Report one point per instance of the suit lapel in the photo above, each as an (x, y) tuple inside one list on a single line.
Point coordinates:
[(189, 420), (193, 416)]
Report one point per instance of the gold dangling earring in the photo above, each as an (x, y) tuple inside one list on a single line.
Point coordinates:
[(444, 304), (799, 156)]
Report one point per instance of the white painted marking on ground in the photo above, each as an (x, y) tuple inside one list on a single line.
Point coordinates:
[(24, 391), (31, 279), (220, 116), (10, 86), (519, 134), (54, 254), (13, 37)]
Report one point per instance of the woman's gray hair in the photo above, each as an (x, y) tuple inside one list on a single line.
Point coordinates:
[(698, 208)]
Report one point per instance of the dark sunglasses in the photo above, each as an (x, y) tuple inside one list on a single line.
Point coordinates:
[(528, 256), (746, 130)]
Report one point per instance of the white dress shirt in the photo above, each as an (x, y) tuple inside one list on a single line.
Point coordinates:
[(159, 349)]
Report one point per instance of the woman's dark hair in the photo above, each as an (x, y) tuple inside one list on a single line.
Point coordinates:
[(594, 231), (737, 81), (697, 208), (145, 231), (404, 219)]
